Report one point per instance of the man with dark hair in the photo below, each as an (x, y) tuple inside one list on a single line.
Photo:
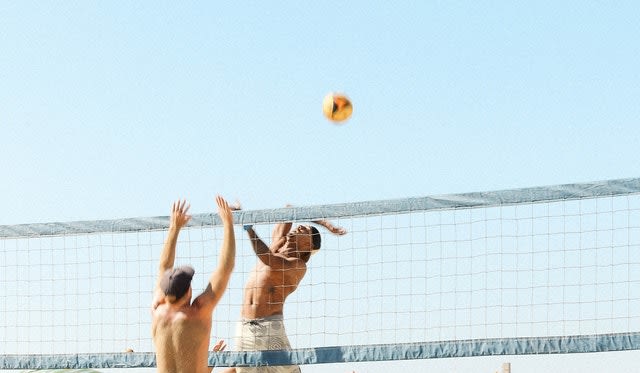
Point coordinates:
[(181, 328), (279, 270)]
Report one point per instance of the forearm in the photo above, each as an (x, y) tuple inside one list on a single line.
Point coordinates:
[(227, 258), (226, 261), (168, 255), (259, 247), (323, 223)]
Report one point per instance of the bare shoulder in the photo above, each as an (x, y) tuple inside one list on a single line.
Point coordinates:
[(158, 308)]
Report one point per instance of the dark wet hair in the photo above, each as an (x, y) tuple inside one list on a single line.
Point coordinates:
[(315, 236)]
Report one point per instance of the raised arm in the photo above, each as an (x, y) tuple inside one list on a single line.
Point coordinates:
[(220, 276), (179, 218), (279, 233), (263, 252), (339, 231), (259, 247)]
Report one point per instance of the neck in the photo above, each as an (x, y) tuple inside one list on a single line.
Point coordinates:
[(180, 302)]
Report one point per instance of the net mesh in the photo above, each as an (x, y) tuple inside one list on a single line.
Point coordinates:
[(536, 270)]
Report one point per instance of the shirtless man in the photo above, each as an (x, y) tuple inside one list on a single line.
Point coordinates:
[(181, 328), (279, 270)]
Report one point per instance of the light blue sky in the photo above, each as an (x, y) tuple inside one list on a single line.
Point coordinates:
[(114, 109), (111, 109)]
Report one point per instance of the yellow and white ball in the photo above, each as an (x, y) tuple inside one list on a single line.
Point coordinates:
[(337, 107)]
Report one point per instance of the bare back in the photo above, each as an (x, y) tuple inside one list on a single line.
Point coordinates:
[(269, 286), (181, 339)]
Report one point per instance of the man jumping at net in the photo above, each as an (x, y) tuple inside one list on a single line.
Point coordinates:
[(279, 269), (181, 328)]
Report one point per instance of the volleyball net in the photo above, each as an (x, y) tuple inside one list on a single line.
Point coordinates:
[(541, 270)]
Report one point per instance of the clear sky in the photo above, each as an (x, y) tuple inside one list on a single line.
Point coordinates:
[(114, 109)]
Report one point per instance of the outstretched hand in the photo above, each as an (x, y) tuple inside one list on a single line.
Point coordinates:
[(179, 214), (224, 210), (219, 346), (338, 231)]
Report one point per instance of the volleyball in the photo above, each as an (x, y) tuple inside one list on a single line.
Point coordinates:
[(337, 107)]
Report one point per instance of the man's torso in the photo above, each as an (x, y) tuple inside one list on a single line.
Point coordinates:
[(267, 289), (181, 340)]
